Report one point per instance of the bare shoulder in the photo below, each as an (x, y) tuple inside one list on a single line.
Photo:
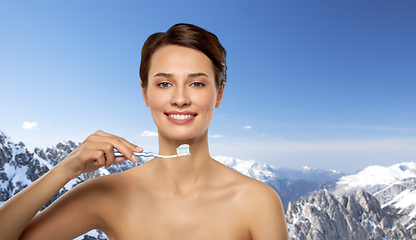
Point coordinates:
[(79, 210), (263, 208), (110, 190), (101, 191), (252, 189)]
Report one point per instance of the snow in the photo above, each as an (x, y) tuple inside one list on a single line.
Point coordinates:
[(403, 170), (9, 170), (250, 168), (378, 175), (92, 233), (290, 229), (43, 162), (405, 201), (306, 168), (103, 171), (369, 176), (19, 151), (373, 225), (316, 206), (411, 226), (72, 183)]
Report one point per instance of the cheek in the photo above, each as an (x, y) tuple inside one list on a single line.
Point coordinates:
[(205, 100), (156, 101)]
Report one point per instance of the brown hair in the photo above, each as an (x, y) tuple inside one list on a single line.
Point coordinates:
[(186, 35)]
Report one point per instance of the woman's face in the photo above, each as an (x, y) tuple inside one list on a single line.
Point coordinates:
[(181, 92)]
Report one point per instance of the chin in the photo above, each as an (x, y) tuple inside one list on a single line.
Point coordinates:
[(183, 136)]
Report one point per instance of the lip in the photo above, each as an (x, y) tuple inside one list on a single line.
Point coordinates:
[(180, 121)]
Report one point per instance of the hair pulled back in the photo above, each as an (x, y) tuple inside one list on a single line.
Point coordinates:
[(186, 35)]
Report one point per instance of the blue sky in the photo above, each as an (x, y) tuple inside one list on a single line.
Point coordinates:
[(326, 84)]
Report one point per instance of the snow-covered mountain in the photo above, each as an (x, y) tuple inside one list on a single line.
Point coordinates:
[(310, 174), (394, 187), (374, 178), (262, 172), (354, 217), (20, 167), (399, 201)]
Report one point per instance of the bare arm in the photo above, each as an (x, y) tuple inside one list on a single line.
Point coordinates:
[(267, 217), (96, 151), (76, 212), (16, 213)]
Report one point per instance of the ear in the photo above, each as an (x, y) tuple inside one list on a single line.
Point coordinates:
[(144, 94), (219, 96)]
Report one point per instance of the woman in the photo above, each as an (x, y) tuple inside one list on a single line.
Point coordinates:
[(183, 76)]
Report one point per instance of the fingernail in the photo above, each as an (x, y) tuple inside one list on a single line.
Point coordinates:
[(134, 159), (139, 149)]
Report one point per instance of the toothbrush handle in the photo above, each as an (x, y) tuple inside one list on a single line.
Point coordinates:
[(137, 154), (150, 154), (142, 154)]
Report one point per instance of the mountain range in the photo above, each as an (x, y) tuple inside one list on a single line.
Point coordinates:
[(394, 187), (354, 217), (388, 192)]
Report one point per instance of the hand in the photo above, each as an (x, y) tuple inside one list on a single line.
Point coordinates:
[(97, 151)]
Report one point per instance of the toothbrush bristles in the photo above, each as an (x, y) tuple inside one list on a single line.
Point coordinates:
[(183, 150)]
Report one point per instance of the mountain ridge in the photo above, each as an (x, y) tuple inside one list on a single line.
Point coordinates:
[(394, 187), (354, 217)]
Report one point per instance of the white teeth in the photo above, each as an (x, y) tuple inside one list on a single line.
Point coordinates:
[(180, 117)]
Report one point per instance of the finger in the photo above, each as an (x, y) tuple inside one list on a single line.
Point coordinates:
[(108, 154), (130, 145), (92, 159), (123, 146), (99, 158), (121, 159), (105, 147)]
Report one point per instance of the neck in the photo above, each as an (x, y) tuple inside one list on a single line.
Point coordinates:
[(186, 172)]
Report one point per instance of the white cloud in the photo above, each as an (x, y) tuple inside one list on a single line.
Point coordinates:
[(247, 127), (148, 134), (216, 136), (30, 125)]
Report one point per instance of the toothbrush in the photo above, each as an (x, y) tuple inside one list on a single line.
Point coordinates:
[(182, 150)]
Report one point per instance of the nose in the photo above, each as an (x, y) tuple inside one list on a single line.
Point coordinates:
[(180, 97)]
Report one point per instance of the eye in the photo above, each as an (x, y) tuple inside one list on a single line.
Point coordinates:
[(197, 84), (164, 84)]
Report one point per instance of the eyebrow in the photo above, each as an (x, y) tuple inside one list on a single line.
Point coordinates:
[(168, 75), (191, 75)]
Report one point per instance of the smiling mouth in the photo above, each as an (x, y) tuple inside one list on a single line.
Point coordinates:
[(180, 116)]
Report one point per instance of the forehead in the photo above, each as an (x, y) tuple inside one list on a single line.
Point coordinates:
[(179, 59)]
